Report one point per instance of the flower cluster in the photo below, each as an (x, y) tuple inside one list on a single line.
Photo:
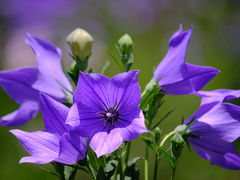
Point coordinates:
[(103, 114)]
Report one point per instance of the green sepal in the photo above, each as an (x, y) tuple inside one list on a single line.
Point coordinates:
[(169, 158), (177, 143)]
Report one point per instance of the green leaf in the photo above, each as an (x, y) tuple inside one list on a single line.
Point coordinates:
[(59, 168), (100, 174), (152, 99), (132, 172), (120, 66), (170, 159), (92, 158), (134, 161), (110, 168), (149, 141), (50, 171), (69, 172), (162, 119)]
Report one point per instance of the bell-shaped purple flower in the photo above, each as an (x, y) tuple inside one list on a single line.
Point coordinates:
[(177, 77), (216, 126), (106, 110), (55, 143), (23, 85), (217, 96)]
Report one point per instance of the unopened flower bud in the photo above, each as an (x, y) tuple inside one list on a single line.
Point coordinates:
[(80, 42), (157, 135), (125, 44)]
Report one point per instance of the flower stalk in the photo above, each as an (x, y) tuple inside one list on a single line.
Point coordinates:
[(146, 166), (156, 167)]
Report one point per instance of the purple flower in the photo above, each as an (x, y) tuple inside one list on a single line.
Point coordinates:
[(23, 85), (177, 77), (55, 143), (217, 125), (217, 96), (106, 110)]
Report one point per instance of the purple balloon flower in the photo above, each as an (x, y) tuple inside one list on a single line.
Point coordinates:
[(177, 77), (106, 110), (55, 143), (216, 126), (217, 96), (23, 85)]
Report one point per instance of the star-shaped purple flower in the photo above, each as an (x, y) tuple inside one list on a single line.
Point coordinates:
[(23, 85), (106, 110), (217, 125), (55, 143), (177, 77)]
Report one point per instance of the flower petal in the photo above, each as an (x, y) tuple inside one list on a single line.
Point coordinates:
[(105, 142), (217, 96), (25, 113), (193, 78), (54, 114), (130, 127), (177, 77), (18, 84), (43, 146), (126, 92), (93, 90), (51, 79), (218, 151), (224, 120), (169, 70), (72, 148), (84, 120), (73, 119)]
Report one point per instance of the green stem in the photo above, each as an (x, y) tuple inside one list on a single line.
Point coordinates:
[(166, 138), (115, 175), (173, 173), (77, 167), (146, 164), (90, 170), (156, 167), (118, 169), (126, 158)]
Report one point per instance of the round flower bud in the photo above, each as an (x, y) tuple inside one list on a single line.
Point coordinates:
[(80, 42), (125, 44)]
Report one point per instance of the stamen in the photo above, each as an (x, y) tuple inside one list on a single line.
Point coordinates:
[(110, 116)]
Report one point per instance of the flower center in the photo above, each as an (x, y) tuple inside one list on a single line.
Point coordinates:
[(111, 115)]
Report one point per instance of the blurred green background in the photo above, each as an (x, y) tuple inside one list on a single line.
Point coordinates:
[(215, 42)]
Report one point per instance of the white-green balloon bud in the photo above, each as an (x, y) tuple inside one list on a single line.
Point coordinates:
[(125, 44), (80, 42)]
